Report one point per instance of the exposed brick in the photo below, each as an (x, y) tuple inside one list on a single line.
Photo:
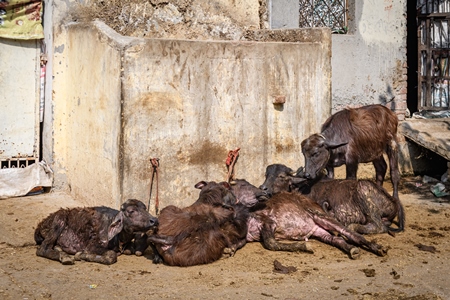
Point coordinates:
[(403, 90)]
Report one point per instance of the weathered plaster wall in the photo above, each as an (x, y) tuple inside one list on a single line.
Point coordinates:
[(369, 63), (54, 138), (190, 102), (187, 103), (87, 103)]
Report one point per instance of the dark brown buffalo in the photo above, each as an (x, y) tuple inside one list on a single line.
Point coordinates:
[(295, 217), (203, 231), (361, 205), (93, 234), (354, 136)]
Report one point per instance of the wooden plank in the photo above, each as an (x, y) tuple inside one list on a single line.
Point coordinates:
[(433, 134)]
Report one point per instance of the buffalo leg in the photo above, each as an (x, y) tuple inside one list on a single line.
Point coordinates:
[(337, 241), (351, 169), (140, 244), (107, 258), (231, 248), (48, 245), (157, 258), (159, 239), (392, 152), (369, 228), (269, 242), (380, 169), (330, 172), (54, 254), (354, 237)]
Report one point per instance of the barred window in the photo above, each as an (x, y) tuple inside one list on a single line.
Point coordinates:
[(324, 13)]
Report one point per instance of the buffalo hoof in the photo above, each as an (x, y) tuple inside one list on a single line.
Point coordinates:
[(157, 259), (78, 256), (305, 247), (382, 251), (138, 253), (66, 259), (228, 252), (355, 253), (378, 249), (127, 252)]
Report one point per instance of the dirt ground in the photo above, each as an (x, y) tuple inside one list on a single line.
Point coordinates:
[(416, 266)]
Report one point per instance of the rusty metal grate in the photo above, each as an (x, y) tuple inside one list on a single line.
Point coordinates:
[(324, 13), (434, 51), (20, 162)]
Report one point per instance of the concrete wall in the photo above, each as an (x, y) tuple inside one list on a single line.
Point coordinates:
[(187, 103), (369, 62), (53, 145), (87, 123)]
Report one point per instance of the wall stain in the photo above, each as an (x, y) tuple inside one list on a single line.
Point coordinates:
[(208, 152)]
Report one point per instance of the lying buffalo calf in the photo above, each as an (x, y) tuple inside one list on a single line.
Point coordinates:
[(203, 231), (361, 205), (246, 193), (93, 234), (292, 216)]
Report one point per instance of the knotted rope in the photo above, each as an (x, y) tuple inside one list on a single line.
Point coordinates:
[(155, 165), (231, 160)]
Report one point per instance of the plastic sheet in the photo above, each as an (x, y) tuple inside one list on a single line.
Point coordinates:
[(16, 182)]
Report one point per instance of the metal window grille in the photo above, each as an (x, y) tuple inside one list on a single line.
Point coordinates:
[(324, 13), (21, 162), (434, 51)]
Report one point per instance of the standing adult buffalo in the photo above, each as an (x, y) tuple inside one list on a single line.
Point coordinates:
[(353, 136)]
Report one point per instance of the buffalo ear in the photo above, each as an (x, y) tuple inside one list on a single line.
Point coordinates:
[(116, 226), (334, 145), (227, 185), (297, 183), (297, 180), (300, 172), (200, 185)]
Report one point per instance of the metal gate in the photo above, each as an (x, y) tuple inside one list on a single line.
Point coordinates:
[(433, 18), (19, 99)]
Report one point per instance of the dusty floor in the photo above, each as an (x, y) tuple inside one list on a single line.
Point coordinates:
[(408, 272)]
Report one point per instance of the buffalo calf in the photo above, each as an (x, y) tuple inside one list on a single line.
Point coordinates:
[(295, 217), (202, 232), (360, 205), (94, 234)]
